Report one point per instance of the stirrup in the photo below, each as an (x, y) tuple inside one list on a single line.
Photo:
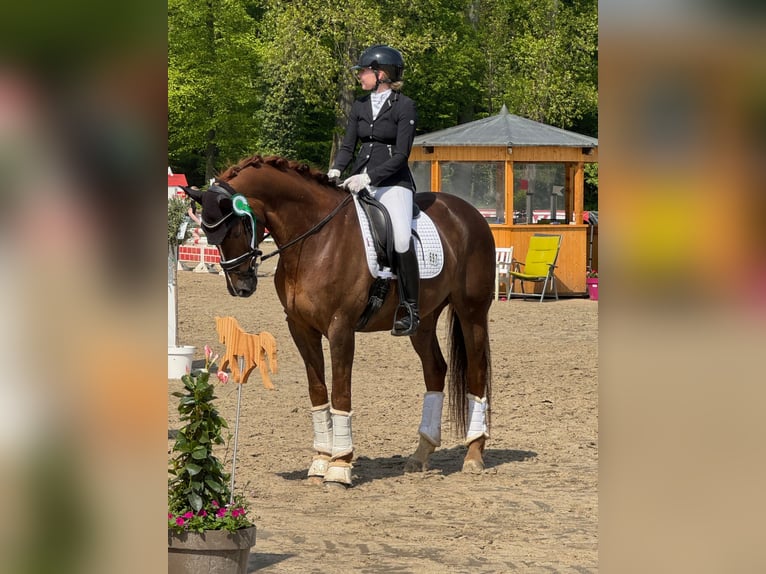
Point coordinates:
[(408, 324)]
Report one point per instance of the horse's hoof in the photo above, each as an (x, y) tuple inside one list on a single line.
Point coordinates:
[(336, 486), (414, 465), (338, 472), (319, 466), (473, 466), (314, 480)]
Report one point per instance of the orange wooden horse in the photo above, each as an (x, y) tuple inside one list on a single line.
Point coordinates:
[(257, 350)]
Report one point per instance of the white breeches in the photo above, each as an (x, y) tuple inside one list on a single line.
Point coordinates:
[(398, 202), (431, 420), (477, 418)]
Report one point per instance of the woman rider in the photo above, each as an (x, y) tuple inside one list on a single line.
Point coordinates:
[(384, 122)]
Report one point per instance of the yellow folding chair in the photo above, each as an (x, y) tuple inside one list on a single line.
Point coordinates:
[(539, 265), (503, 261)]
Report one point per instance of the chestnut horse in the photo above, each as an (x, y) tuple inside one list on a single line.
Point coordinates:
[(323, 282)]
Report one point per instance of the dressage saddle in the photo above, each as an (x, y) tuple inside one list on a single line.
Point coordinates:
[(383, 240)]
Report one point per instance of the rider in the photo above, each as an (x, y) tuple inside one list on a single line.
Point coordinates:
[(384, 122)]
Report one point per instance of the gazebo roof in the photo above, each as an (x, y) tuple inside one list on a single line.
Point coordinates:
[(505, 129)]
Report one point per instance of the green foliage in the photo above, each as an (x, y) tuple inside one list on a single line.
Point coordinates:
[(591, 187), (177, 210), (272, 76), (198, 486), (213, 79), (546, 58)]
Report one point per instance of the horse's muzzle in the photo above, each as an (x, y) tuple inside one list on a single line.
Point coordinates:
[(241, 284)]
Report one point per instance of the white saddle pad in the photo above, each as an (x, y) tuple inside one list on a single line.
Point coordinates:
[(428, 246)]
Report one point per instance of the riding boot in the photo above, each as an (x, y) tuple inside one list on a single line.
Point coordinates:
[(408, 275)]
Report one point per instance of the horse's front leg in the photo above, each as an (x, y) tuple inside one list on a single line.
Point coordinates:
[(426, 345), (309, 343), (342, 342)]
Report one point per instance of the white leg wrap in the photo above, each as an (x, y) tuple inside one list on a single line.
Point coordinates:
[(338, 471), (341, 433), (477, 422), (319, 465), (320, 416), (431, 421)]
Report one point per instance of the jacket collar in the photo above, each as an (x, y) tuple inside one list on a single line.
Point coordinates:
[(392, 97)]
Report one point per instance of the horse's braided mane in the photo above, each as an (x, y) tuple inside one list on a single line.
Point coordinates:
[(279, 163)]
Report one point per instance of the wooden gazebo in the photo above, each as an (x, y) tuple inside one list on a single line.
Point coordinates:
[(524, 176)]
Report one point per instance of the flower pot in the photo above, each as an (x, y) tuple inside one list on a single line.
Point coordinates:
[(179, 361), (592, 284), (210, 552)]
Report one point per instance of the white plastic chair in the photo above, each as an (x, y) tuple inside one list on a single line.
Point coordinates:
[(503, 260)]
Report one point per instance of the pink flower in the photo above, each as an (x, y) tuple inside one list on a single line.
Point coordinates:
[(208, 353), (202, 512), (215, 504), (221, 512), (223, 376), (189, 515), (235, 512), (180, 521), (170, 516)]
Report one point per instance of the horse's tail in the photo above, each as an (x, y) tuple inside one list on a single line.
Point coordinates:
[(458, 375)]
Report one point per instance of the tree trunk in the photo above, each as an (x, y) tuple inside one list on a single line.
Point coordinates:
[(210, 153), (210, 148), (345, 100)]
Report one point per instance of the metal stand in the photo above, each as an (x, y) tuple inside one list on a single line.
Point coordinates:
[(236, 430)]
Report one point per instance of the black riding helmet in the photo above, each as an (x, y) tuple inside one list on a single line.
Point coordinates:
[(384, 58)]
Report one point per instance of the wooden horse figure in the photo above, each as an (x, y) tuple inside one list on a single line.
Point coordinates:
[(323, 283), (258, 349)]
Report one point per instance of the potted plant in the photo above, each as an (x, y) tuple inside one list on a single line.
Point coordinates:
[(591, 282), (208, 527), (179, 357)]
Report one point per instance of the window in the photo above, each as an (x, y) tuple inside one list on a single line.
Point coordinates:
[(539, 192), (421, 171), (482, 184)]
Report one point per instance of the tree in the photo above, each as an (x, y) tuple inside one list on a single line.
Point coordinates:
[(212, 80), (309, 48), (272, 76), (543, 58)]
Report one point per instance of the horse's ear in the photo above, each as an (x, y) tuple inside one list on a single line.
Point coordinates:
[(194, 193)]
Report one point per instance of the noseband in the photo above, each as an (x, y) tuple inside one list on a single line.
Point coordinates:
[(240, 209)]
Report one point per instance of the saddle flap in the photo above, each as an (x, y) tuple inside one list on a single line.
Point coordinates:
[(380, 227)]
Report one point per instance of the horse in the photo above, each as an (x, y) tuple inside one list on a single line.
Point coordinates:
[(323, 283)]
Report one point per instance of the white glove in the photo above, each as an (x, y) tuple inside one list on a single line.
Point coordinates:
[(356, 183), (333, 174)]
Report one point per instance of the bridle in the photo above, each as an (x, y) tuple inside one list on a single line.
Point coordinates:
[(242, 210)]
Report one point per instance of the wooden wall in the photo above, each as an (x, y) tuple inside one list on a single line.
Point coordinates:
[(572, 261)]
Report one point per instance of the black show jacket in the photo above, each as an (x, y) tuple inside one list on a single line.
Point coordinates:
[(386, 140)]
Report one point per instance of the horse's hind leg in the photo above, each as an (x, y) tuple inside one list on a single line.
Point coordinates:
[(426, 345), (477, 382)]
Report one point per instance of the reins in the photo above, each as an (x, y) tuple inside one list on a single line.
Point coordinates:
[(311, 231)]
